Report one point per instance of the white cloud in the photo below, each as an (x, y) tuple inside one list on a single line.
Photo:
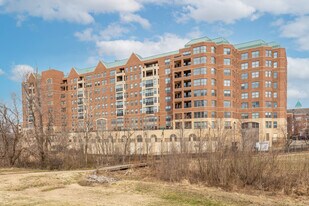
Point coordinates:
[(229, 11), (129, 18), (19, 72), (211, 11), (297, 29), (86, 35), (113, 30), (78, 11), (123, 48), (1, 72), (297, 93), (298, 68)]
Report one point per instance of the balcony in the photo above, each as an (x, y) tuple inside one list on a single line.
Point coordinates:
[(150, 103), (119, 89), (188, 115), (178, 95), (178, 105), (187, 73), (187, 104), (149, 94), (187, 94), (149, 85), (187, 62), (150, 111), (177, 75), (177, 64), (119, 98), (119, 114), (187, 84)]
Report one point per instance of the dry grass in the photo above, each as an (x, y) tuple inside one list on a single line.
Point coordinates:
[(263, 171)]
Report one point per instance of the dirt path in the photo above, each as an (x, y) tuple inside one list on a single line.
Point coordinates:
[(21, 187)]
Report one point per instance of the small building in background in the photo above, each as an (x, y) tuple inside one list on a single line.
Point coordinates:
[(298, 121)]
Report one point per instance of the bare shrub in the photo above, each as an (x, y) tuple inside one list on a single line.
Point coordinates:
[(227, 169)]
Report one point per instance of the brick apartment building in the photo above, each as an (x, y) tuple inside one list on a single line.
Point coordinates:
[(206, 83)]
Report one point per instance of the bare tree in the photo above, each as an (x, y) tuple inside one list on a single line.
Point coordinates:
[(40, 120), (12, 136)]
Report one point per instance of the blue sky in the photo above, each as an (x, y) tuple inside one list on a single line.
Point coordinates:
[(77, 33)]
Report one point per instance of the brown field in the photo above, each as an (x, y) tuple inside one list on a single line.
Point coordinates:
[(135, 187)]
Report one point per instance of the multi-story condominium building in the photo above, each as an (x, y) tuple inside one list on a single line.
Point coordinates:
[(206, 83)]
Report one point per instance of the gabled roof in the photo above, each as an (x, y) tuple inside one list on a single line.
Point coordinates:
[(298, 104), (219, 40), (254, 44)]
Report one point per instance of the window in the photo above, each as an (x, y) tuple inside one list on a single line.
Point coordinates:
[(200, 103), (227, 93), (112, 73), (200, 114), (167, 99), (275, 54), (267, 94), (275, 124), (167, 71), (227, 51), (227, 61), (275, 64), (168, 108), (227, 83), (255, 64), (167, 80), (198, 125), (255, 85), (213, 93), (255, 54), (244, 105), (245, 116), (275, 85), (213, 60), (275, 94), (244, 95), (268, 53), (213, 103), (227, 115), (255, 94), (255, 74), (267, 84), (275, 75), (213, 82), (244, 56), (268, 63), (275, 115), (255, 115), (275, 104), (244, 86), (244, 65), (267, 114), (226, 103), (268, 104), (198, 71), (199, 60), (213, 49), (199, 82), (227, 125), (268, 124), (267, 73), (167, 61), (213, 71), (167, 90), (227, 72), (202, 92), (244, 76), (255, 104), (200, 49)]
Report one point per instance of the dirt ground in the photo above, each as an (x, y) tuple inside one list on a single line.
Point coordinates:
[(34, 187)]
